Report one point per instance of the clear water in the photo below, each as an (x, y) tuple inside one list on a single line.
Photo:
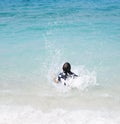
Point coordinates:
[(36, 38)]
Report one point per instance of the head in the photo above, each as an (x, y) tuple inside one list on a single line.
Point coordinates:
[(67, 67)]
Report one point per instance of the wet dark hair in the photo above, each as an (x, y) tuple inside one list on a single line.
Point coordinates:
[(66, 67)]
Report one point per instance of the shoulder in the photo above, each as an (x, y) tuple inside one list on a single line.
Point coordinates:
[(61, 74), (73, 74)]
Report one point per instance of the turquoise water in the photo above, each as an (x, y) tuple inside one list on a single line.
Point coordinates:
[(38, 36)]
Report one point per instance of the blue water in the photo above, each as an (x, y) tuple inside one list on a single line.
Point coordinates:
[(38, 36)]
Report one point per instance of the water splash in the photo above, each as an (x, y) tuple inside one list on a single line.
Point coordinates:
[(84, 81)]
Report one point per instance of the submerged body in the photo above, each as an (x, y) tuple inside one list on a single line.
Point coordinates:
[(62, 77)]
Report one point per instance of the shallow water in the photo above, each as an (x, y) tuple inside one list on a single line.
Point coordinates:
[(36, 38)]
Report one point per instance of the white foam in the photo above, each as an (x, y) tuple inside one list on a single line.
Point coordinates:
[(29, 115), (82, 82)]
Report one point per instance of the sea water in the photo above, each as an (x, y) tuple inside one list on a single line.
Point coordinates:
[(36, 38)]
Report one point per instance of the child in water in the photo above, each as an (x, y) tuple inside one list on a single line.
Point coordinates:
[(66, 74)]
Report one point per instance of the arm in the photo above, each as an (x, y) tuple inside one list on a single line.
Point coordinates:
[(55, 80)]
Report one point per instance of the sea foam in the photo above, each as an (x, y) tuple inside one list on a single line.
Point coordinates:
[(29, 115)]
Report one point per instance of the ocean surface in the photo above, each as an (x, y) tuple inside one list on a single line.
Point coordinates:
[(36, 38)]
